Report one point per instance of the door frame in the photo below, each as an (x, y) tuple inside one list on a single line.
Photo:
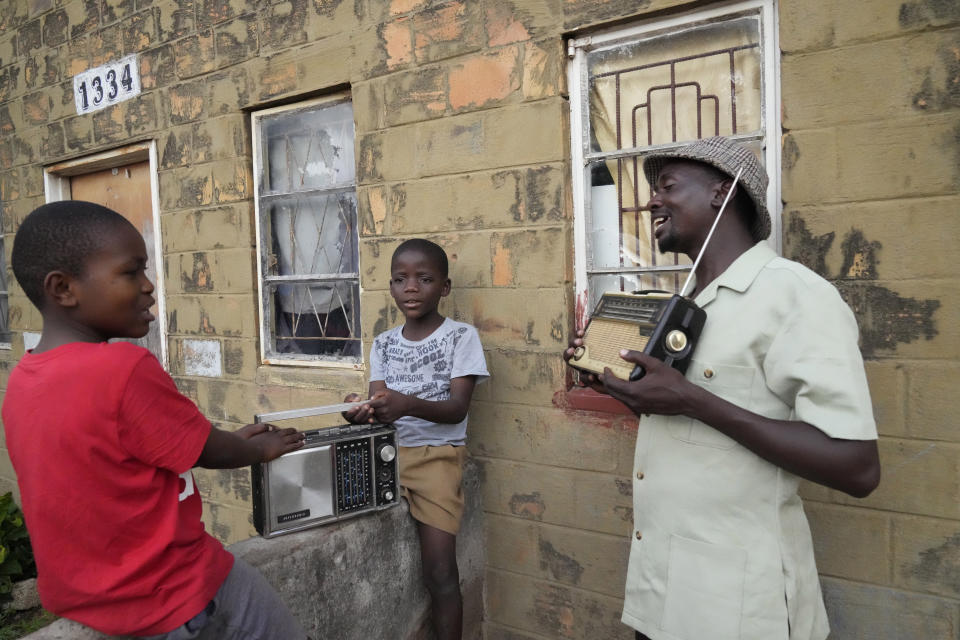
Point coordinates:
[(56, 183)]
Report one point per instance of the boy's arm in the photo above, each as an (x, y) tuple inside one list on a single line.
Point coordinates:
[(252, 444), (388, 405)]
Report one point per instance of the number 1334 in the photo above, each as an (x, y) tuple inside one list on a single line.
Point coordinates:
[(99, 88)]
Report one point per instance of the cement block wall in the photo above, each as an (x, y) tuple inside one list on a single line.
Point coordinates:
[(462, 135)]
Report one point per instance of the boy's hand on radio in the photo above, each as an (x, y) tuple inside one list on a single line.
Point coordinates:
[(274, 442), (389, 405), (358, 415), (659, 391), (248, 431)]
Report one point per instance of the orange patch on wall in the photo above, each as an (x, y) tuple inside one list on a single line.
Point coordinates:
[(396, 39), (502, 269), (481, 80)]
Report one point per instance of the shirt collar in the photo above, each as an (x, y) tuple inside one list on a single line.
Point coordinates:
[(740, 274)]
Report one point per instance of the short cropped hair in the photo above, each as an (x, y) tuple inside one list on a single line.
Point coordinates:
[(431, 250), (59, 236)]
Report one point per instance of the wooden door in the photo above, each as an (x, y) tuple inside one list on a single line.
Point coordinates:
[(126, 190)]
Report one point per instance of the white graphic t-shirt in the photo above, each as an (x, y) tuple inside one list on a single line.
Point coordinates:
[(424, 369)]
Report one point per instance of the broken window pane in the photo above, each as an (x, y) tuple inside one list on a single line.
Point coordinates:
[(308, 234)]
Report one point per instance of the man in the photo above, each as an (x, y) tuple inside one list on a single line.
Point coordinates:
[(775, 392)]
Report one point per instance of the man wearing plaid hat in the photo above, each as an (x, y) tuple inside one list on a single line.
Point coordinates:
[(775, 392)]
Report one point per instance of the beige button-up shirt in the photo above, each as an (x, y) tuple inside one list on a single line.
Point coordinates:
[(721, 546)]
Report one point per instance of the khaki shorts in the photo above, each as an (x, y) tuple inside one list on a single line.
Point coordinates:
[(430, 481)]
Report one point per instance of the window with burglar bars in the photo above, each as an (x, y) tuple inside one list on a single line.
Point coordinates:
[(652, 87), (306, 206)]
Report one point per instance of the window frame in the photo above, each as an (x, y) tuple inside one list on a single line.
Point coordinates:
[(581, 155), (266, 328)]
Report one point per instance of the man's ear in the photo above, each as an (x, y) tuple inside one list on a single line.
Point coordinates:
[(58, 288), (720, 192)]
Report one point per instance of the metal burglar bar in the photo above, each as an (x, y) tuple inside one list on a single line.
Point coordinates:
[(307, 233), (647, 108), (654, 86)]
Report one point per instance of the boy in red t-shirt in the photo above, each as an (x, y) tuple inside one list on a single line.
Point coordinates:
[(103, 443)]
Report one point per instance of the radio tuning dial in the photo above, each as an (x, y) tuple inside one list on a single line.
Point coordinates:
[(578, 353), (676, 341), (387, 453), (387, 496)]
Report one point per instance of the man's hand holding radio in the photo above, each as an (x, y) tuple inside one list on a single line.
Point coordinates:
[(662, 390)]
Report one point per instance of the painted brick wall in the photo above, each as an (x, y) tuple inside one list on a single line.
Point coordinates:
[(871, 167), (462, 136)]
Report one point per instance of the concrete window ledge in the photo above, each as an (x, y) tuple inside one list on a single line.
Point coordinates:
[(357, 578)]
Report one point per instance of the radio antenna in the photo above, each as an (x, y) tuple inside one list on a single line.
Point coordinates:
[(683, 291)]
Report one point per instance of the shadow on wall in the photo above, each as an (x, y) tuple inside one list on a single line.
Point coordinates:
[(355, 579)]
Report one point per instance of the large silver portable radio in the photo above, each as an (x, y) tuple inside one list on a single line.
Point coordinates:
[(339, 472)]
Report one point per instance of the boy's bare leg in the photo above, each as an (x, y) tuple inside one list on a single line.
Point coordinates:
[(438, 555)]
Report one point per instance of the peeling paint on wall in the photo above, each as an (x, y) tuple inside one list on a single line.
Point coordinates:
[(202, 358), (940, 564), (554, 610), (885, 318), (528, 505), (921, 12), (561, 567)]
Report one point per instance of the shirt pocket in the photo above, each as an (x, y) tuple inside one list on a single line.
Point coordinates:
[(704, 597), (730, 382)]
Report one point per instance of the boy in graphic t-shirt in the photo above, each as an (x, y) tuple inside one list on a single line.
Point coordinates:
[(422, 376), (103, 444)]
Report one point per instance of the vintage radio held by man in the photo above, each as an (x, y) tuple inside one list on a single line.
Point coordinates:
[(663, 325), (339, 472)]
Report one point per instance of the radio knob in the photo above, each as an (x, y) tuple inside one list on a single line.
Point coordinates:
[(387, 496), (578, 353), (387, 453), (676, 341)]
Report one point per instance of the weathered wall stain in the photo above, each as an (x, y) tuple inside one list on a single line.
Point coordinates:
[(528, 505), (790, 153), (199, 279), (940, 565), (921, 12), (859, 256), (542, 201), (554, 610), (562, 567), (804, 247), (232, 358), (625, 513), (885, 318), (931, 97)]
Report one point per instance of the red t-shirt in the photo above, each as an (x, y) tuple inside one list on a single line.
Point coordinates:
[(103, 443)]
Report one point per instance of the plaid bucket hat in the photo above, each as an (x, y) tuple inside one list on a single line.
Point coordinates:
[(726, 156)]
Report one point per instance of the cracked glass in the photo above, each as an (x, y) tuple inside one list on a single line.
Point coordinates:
[(307, 205)]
